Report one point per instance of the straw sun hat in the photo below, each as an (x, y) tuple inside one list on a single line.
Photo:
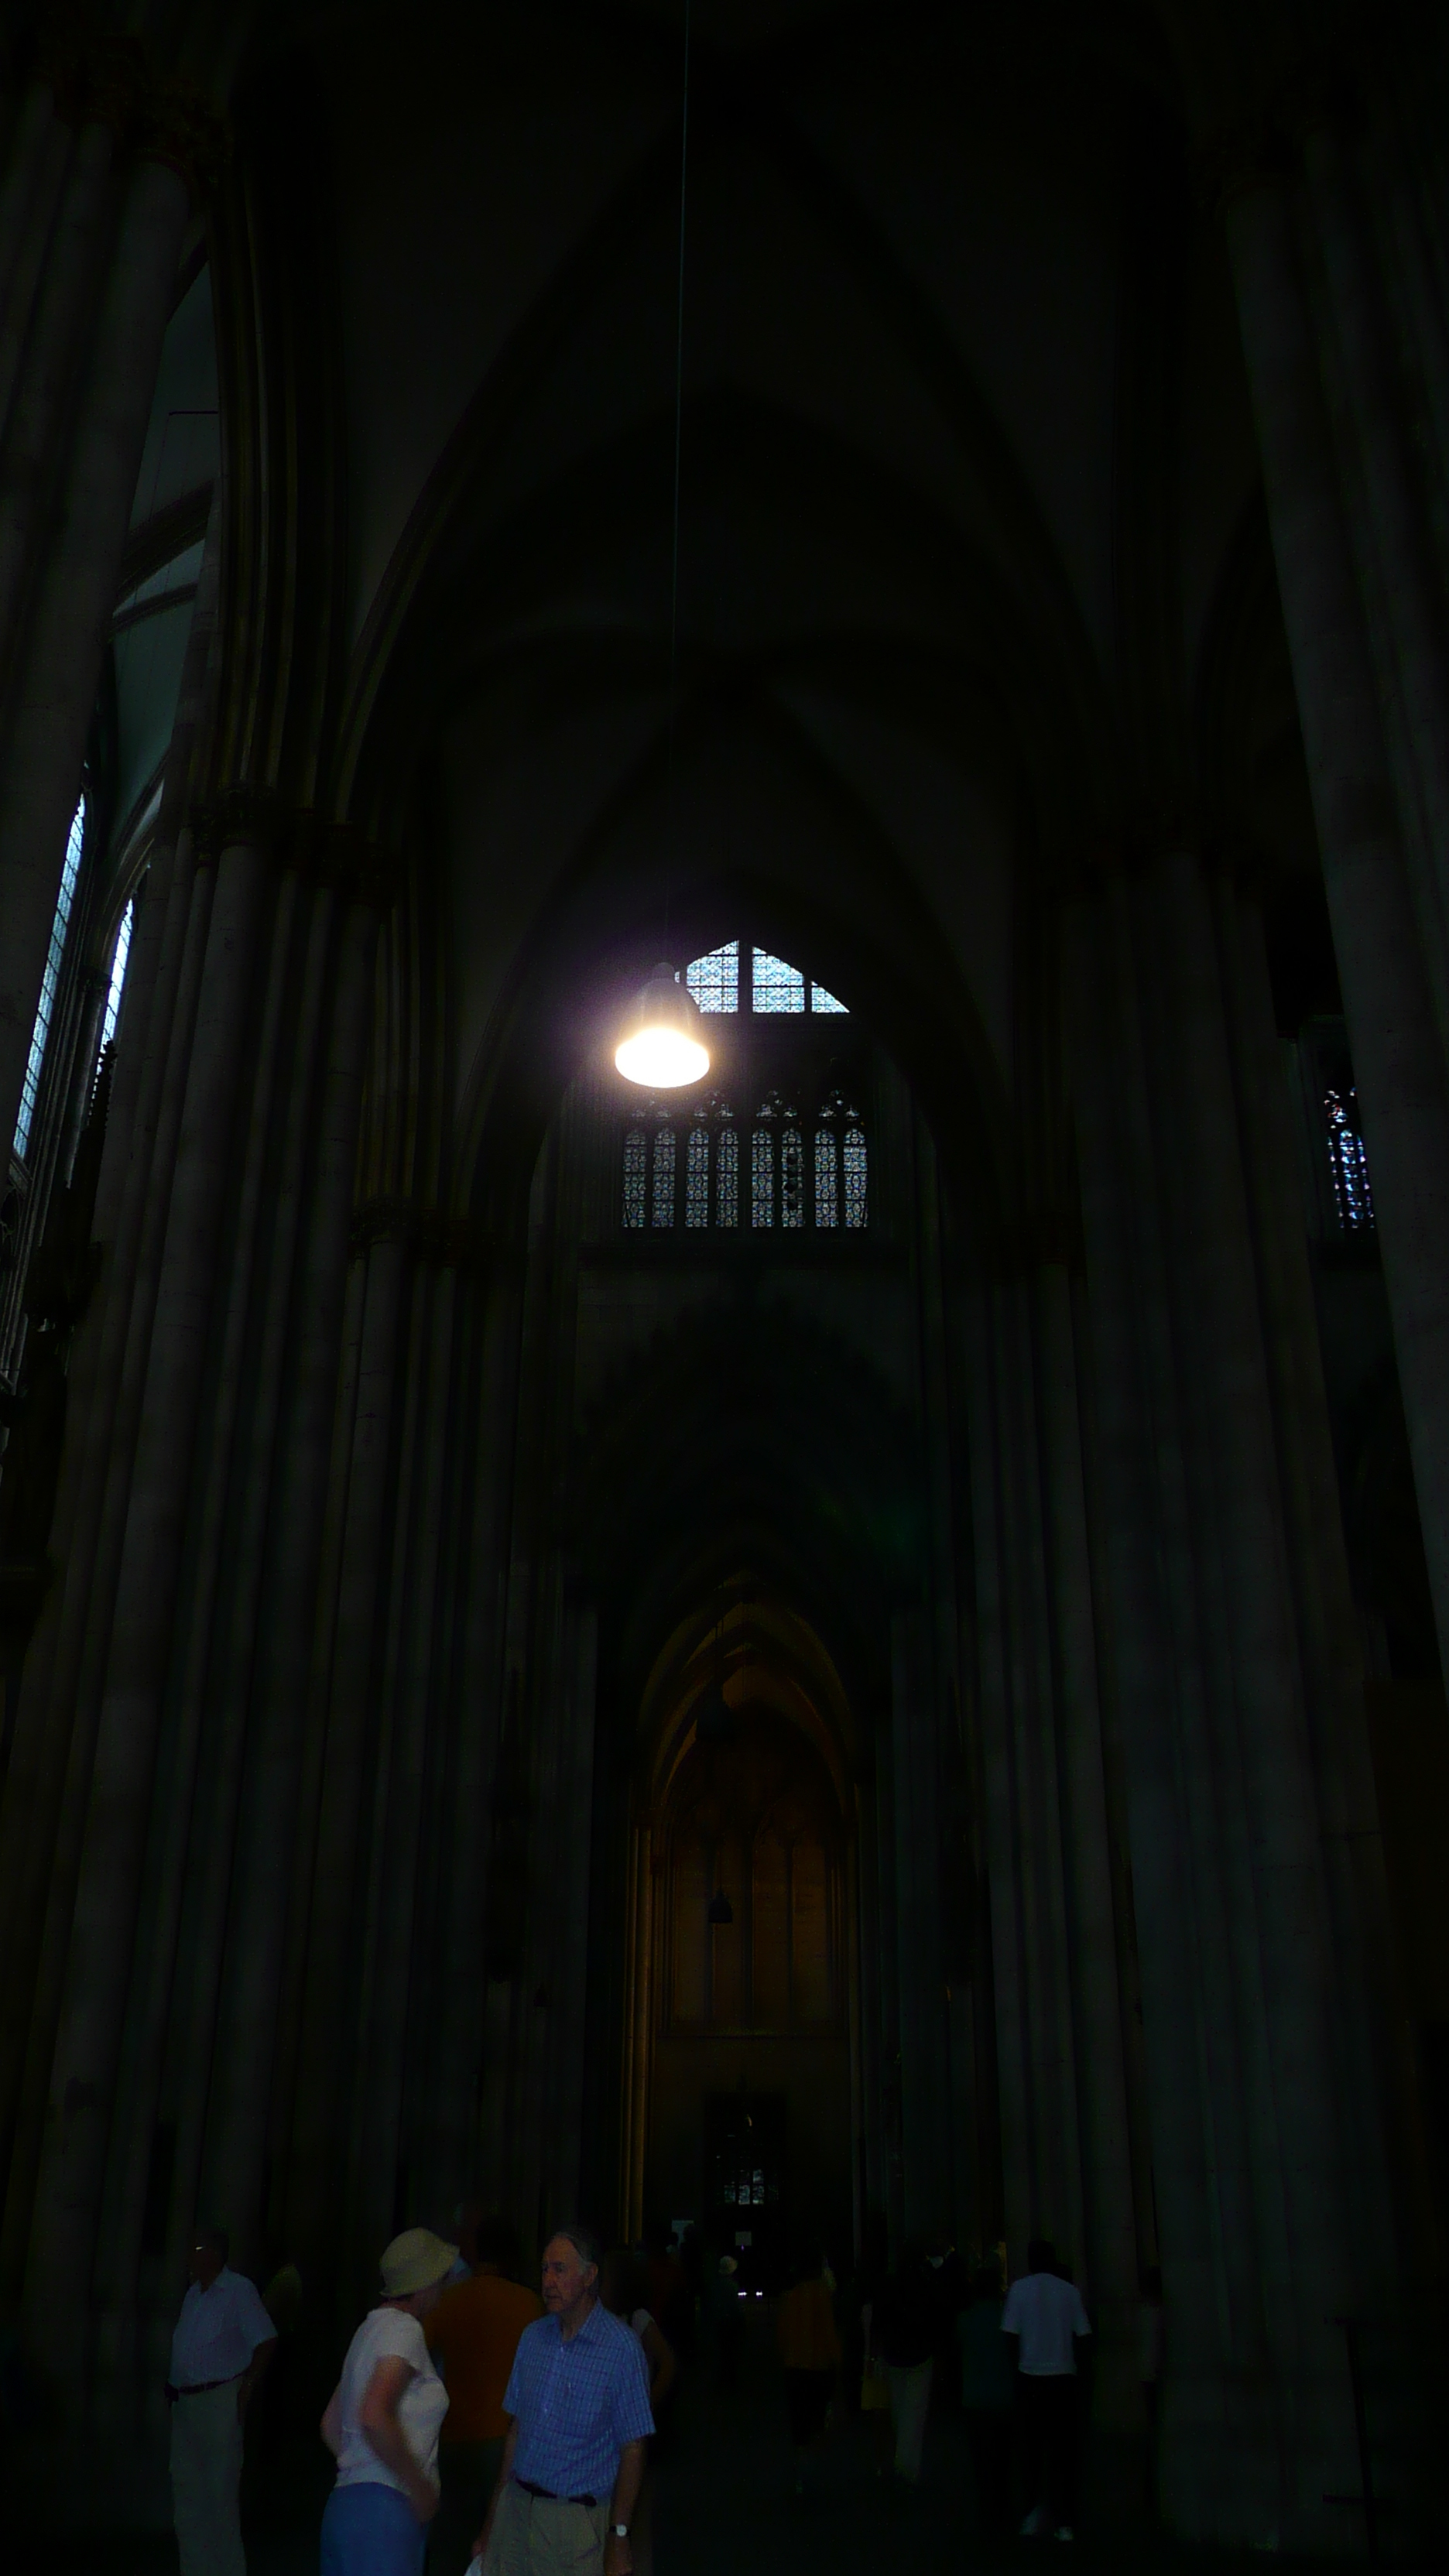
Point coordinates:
[(414, 2261)]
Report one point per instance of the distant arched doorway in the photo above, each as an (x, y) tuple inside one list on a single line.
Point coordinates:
[(741, 2082)]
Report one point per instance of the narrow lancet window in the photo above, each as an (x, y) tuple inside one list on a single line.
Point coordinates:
[(636, 1166), (1348, 1162), (662, 1211), (50, 981), (727, 1177), (120, 957), (792, 1177), (856, 1177), (696, 1177), (762, 1177), (827, 1177)]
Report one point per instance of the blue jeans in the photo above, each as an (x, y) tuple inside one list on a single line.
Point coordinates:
[(371, 2530)]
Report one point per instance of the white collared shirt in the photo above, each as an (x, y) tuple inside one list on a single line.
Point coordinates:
[(218, 2330)]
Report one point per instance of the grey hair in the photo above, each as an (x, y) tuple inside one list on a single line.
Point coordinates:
[(583, 2240)]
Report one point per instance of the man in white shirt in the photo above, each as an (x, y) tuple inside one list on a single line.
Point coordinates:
[(223, 2342), (1046, 2323)]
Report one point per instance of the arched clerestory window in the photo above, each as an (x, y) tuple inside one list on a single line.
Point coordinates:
[(785, 1159)]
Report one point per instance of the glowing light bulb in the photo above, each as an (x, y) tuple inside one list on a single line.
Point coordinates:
[(662, 1048)]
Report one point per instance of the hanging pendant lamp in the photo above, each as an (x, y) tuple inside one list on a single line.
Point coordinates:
[(663, 1042), (662, 1047)]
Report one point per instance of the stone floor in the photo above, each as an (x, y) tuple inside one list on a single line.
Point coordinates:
[(725, 2506)]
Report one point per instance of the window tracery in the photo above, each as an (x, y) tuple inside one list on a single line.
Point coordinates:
[(796, 1162)]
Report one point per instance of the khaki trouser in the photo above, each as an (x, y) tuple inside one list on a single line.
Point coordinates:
[(540, 2536), (910, 2403), (206, 2458)]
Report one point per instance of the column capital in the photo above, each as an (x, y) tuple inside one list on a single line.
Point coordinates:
[(297, 837), (176, 124), (100, 77), (433, 1237)]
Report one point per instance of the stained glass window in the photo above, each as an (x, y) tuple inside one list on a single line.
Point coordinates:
[(762, 1177), (715, 980), (776, 986), (636, 1165), (799, 1173), (696, 1177), (792, 1177), (119, 957), (663, 1204), (727, 1177), (1348, 1162), (827, 1177), (820, 1000), (856, 1176), (50, 980)]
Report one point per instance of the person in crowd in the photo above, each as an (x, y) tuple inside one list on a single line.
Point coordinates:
[(223, 2342), (810, 2352), (987, 2393), (624, 2289), (869, 2290), (579, 2426), (722, 2319), (472, 2335), (383, 2419), (1046, 2326), (906, 2327)]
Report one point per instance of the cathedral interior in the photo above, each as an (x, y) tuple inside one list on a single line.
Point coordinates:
[(862, 1639)]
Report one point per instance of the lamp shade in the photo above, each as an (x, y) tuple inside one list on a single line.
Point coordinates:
[(662, 1046)]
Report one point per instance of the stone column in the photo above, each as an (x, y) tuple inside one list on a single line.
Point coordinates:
[(84, 2067), (1399, 1061), (1251, 2118), (34, 457), (40, 154), (280, 1609), (308, 2083), (62, 654), (46, 1793), (922, 1984), (1110, 2231), (1391, 537)]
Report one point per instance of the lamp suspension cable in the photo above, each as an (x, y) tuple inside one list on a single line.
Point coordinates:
[(662, 1046)]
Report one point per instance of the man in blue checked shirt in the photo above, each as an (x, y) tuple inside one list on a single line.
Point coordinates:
[(578, 2409)]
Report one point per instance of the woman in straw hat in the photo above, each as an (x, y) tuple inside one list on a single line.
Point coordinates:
[(383, 2419)]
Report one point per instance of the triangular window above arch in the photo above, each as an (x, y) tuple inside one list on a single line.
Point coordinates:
[(732, 978)]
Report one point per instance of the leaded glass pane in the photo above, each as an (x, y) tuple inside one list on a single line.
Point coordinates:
[(762, 1177), (827, 1178), (118, 974), (696, 1177), (856, 1177), (776, 986), (727, 1177), (792, 1177), (1348, 1162), (50, 980), (663, 1207), (820, 1000), (636, 1166), (715, 980)]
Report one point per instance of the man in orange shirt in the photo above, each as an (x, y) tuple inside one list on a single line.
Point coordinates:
[(473, 2335)]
